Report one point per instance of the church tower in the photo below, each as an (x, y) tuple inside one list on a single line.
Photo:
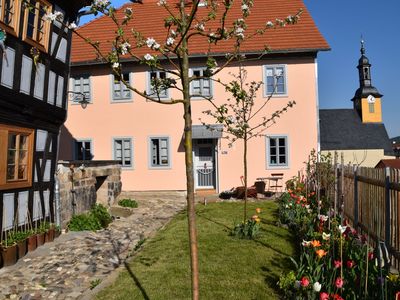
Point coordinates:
[(367, 99)]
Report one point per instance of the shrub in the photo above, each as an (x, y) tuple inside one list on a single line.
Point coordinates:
[(97, 218), (128, 203)]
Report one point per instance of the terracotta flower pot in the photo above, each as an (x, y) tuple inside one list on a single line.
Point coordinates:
[(22, 248), (40, 239), (9, 255), (49, 237), (32, 242)]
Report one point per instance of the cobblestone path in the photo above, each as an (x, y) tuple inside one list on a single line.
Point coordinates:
[(66, 268)]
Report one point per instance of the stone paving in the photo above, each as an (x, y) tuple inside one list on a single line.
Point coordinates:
[(69, 266)]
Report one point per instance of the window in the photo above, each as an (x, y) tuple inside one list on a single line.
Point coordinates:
[(120, 91), (83, 150), (16, 151), (201, 86), (36, 28), (371, 107), (9, 14), (159, 152), (123, 151), (275, 80), (81, 84), (156, 79), (277, 148)]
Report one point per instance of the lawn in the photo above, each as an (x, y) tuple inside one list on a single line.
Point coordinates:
[(230, 268)]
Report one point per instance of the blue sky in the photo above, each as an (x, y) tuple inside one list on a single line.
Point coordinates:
[(342, 22)]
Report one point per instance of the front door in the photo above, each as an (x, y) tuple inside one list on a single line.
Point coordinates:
[(204, 163)]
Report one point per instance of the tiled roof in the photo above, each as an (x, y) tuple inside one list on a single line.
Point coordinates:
[(148, 18), (342, 129), (391, 163)]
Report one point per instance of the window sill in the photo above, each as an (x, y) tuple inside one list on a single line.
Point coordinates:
[(269, 167), (276, 96), (121, 100), (160, 168), (33, 43), (8, 29), (16, 185)]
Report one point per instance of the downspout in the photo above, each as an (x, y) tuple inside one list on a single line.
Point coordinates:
[(317, 103)]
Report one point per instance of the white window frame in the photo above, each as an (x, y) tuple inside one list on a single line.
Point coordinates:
[(150, 152), (82, 141), (80, 78), (285, 81), (149, 88), (268, 150), (123, 139), (123, 88), (201, 95)]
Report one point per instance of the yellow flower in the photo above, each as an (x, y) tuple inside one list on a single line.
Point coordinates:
[(258, 220), (258, 210)]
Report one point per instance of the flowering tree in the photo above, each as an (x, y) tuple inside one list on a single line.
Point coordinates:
[(183, 23), (238, 116)]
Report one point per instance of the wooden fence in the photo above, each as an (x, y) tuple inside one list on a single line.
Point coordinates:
[(369, 199)]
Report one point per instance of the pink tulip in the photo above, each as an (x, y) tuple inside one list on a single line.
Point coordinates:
[(304, 282), (324, 296), (339, 282)]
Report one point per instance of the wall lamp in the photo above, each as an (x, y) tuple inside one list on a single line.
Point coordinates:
[(80, 98)]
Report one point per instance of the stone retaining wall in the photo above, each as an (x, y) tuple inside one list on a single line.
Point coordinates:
[(84, 183)]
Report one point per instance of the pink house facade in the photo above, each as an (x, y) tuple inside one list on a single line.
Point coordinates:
[(147, 138)]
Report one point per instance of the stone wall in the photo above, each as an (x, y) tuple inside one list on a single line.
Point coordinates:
[(84, 183)]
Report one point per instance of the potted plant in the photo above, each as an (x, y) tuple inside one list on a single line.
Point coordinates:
[(41, 232), (8, 250), (20, 238), (32, 240), (49, 237)]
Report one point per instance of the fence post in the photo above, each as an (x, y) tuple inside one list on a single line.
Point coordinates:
[(387, 208), (355, 197)]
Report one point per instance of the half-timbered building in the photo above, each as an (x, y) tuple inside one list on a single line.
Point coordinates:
[(34, 70)]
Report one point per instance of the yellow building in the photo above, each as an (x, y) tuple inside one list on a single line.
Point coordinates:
[(358, 133)]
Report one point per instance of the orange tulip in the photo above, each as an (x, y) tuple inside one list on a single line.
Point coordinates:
[(258, 210), (316, 243), (321, 253)]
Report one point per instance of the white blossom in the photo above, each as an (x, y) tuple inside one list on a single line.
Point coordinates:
[(326, 236), (269, 24), (244, 7), (162, 2), (173, 33), (128, 11), (125, 48), (116, 65), (170, 41), (342, 228), (53, 16), (323, 218), (317, 286), (72, 26), (305, 243), (199, 26), (99, 4), (148, 57), (239, 32), (151, 43)]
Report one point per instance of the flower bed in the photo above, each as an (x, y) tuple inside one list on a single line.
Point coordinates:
[(335, 261)]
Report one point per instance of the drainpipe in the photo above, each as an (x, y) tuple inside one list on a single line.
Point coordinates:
[(57, 201)]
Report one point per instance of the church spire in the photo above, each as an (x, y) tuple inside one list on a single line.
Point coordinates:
[(367, 100)]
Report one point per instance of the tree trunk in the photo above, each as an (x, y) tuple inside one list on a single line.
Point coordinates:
[(245, 175), (189, 166)]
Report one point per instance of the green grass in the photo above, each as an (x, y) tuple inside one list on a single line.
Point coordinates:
[(230, 268)]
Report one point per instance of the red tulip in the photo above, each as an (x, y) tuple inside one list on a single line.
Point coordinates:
[(324, 296), (339, 282), (350, 264), (337, 264), (304, 282)]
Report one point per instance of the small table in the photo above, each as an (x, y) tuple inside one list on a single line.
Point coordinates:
[(274, 179)]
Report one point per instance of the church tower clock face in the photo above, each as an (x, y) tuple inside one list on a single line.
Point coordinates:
[(371, 99)]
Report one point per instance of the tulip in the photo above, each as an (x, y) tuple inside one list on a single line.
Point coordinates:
[(305, 243), (316, 243), (337, 264), (326, 236), (321, 253), (324, 296), (258, 210), (350, 264), (337, 297), (339, 282), (317, 286), (304, 282)]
